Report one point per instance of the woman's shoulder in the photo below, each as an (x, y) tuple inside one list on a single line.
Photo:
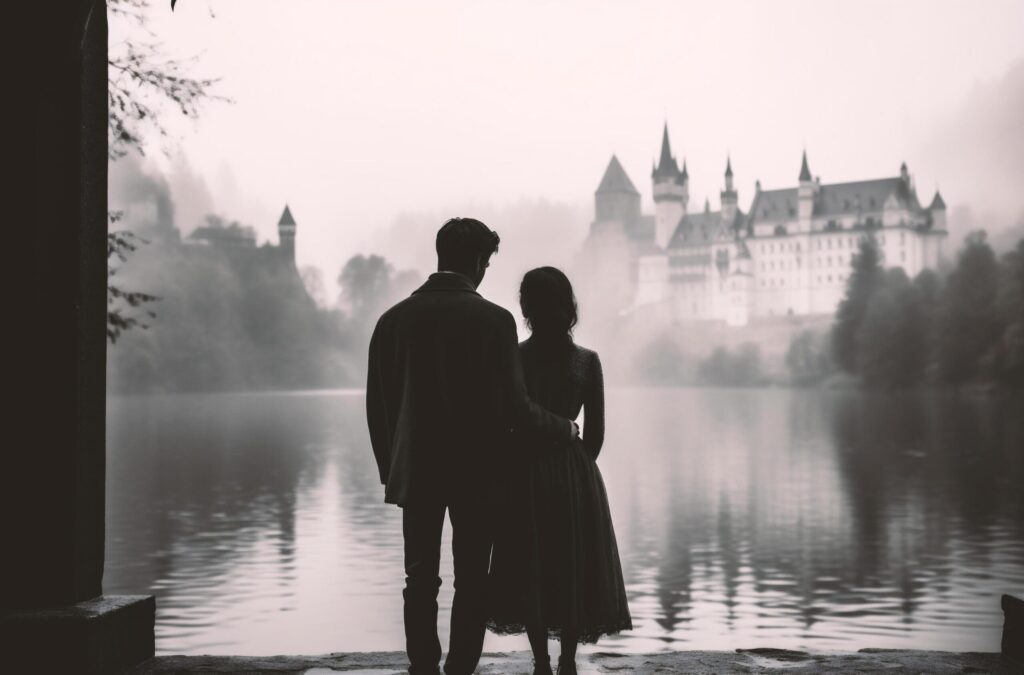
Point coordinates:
[(586, 358)]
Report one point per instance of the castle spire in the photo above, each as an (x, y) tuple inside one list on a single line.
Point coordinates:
[(805, 172), (937, 202), (685, 173), (728, 166), (667, 167)]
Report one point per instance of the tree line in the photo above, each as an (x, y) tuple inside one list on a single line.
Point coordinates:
[(966, 326), (230, 319)]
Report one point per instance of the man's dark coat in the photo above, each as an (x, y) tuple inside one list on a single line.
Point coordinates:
[(443, 391)]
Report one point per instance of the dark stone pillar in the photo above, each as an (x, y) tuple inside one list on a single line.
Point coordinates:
[(53, 461), (55, 519)]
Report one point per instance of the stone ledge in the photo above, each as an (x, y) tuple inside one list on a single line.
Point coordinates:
[(741, 661), (108, 634)]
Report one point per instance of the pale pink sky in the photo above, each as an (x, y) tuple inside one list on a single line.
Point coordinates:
[(354, 112)]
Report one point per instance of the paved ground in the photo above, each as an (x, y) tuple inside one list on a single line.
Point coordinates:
[(778, 662)]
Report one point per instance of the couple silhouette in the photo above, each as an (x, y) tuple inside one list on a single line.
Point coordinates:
[(465, 421)]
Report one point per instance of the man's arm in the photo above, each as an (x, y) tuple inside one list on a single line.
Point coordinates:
[(525, 414), (593, 409), (376, 408)]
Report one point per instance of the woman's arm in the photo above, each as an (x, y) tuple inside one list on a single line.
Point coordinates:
[(593, 409)]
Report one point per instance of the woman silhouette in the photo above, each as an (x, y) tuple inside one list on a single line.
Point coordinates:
[(555, 568)]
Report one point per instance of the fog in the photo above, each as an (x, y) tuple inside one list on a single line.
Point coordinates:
[(361, 114), (803, 440)]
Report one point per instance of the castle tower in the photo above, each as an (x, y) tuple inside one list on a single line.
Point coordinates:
[(606, 263), (616, 198), (740, 283), (805, 197), (671, 192), (286, 234), (730, 199)]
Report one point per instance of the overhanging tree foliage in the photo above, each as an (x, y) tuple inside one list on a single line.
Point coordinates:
[(141, 82)]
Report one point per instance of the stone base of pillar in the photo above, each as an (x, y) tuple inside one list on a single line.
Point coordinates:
[(1013, 629), (108, 634)]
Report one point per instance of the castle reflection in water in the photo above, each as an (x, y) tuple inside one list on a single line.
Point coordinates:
[(745, 518)]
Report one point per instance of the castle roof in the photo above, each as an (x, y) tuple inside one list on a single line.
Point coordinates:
[(615, 179), (835, 199), (224, 235), (286, 217), (705, 227), (728, 166), (805, 171), (937, 202)]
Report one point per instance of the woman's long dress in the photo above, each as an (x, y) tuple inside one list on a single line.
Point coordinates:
[(555, 562)]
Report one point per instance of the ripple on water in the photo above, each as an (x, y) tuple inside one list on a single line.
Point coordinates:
[(803, 520)]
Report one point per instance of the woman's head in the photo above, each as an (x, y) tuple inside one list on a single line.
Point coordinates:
[(548, 303)]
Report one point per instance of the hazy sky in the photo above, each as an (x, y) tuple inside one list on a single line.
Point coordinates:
[(355, 112)]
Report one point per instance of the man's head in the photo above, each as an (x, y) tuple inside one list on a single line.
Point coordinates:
[(465, 245)]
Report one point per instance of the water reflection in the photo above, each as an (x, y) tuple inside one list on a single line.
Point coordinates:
[(745, 518)]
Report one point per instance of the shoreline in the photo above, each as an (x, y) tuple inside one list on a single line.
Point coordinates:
[(514, 663)]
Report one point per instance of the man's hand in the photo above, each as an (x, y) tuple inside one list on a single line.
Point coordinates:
[(575, 429)]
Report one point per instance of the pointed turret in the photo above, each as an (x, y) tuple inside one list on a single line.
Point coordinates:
[(667, 168), (730, 200), (805, 197), (805, 171), (286, 233), (937, 212), (671, 193), (286, 217), (685, 174)]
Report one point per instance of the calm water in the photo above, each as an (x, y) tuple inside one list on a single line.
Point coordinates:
[(745, 518)]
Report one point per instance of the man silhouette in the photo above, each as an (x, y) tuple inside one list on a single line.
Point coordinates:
[(444, 388)]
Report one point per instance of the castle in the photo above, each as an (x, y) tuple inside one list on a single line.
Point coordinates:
[(788, 254), (218, 234)]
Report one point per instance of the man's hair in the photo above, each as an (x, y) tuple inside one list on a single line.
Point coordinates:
[(461, 241)]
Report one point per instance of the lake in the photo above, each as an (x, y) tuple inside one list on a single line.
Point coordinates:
[(745, 518)]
